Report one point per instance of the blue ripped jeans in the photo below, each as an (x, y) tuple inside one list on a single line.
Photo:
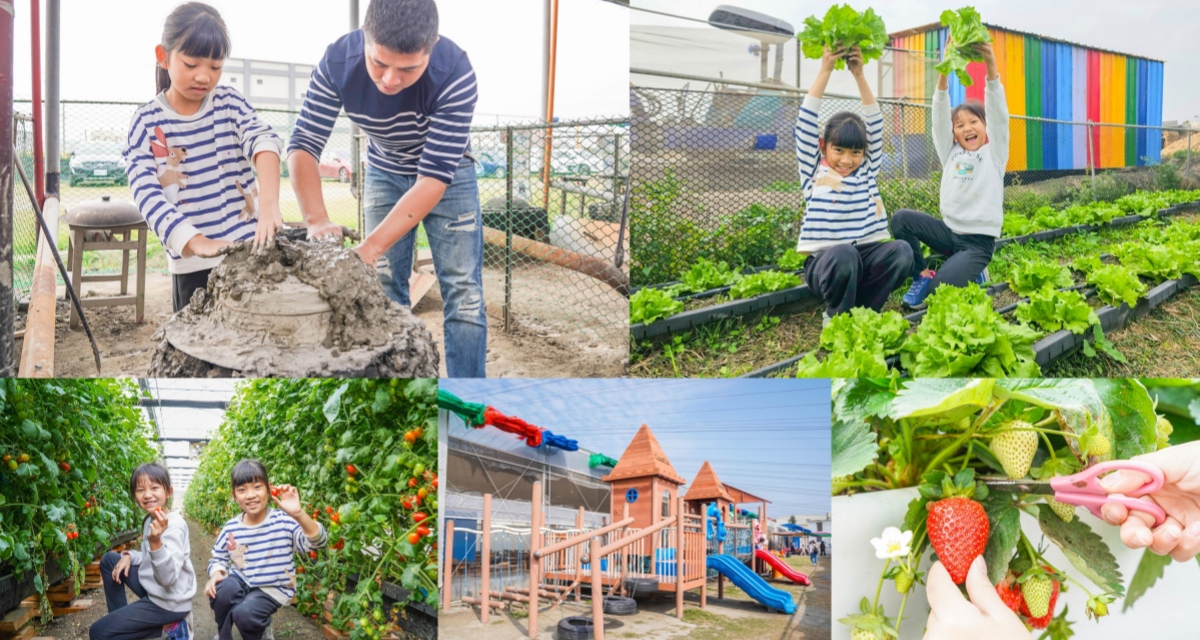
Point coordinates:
[(455, 231)]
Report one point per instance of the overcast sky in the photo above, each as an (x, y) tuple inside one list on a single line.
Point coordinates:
[(1161, 29), (108, 48), (768, 437)]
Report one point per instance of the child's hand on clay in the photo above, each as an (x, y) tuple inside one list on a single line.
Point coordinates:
[(983, 617), (203, 247), (270, 222), (1179, 496)]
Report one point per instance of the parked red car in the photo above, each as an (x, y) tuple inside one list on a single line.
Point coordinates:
[(336, 165)]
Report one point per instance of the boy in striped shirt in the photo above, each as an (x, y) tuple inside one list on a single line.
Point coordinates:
[(252, 572), (412, 93), (851, 262)]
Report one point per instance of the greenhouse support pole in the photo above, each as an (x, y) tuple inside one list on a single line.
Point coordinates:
[(535, 543), (35, 46), (1091, 164), (53, 103), (597, 589), (679, 571), (7, 346), (485, 594), (448, 565)]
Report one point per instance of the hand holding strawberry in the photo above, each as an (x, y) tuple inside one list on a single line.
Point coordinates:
[(158, 524), (957, 524), (288, 499), (984, 616)]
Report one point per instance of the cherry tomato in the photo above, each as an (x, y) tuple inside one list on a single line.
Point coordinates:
[(433, 483), (407, 504), (414, 537), (421, 493), (328, 509), (12, 464), (341, 544), (336, 517), (423, 530), (23, 458), (378, 615), (312, 554), (275, 491), (300, 569), (419, 431), (412, 482), (7, 457), (410, 437), (419, 516), (351, 470)]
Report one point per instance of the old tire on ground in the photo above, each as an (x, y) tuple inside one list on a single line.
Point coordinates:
[(575, 628), (641, 587), (620, 605)]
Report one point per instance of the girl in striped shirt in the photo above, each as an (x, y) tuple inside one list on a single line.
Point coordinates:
[(253, 571), (192, 153), (851, 262)]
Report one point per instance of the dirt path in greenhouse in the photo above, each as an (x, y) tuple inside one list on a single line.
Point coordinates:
[(287, 622)]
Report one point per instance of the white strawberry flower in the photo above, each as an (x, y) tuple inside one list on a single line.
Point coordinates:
[(893, 544)]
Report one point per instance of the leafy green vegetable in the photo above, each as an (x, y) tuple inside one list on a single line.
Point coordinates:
[(704, 274), (1052, 310), (962, 335), (791, 260), (1027, 277), (1087, 264), (858, 343), (1158, 262), (762, 282), (648, 305), (966, 30), (1016, 224), (1116, 284), (842, 28)]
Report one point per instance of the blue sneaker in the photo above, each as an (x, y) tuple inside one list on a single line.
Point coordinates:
[(915, 298), (983, 277)]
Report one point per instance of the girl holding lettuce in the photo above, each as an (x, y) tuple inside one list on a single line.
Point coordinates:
[(972, 144)]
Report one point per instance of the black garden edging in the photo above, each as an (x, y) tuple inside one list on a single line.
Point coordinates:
[(13, 591), (420, 620), (691, 319)]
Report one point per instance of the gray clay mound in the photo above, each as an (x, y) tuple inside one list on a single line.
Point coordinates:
[(295, 309)]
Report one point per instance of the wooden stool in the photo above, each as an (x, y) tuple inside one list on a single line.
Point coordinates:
[(106, 225)]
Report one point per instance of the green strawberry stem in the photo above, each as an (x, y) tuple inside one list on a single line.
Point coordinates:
[(878, 589), (958, 442), (865, 483), (1049, 447)]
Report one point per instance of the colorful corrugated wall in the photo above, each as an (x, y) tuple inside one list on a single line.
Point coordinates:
[(1055, 81)]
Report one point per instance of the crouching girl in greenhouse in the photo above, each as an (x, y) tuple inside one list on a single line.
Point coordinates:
[(159, 573), (253, 571), (973, 150), (850, 262)]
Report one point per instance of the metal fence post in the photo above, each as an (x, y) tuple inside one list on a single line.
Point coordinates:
[(508, 226), (903, 144), (8, 368), (1091, 164), (1187, 168)]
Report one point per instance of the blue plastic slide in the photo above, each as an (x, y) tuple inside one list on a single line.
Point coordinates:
[(748, 581)]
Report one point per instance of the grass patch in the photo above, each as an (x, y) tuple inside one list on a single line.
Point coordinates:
[(712, 626)]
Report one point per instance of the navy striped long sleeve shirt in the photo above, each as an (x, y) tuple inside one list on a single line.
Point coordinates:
[(263, 556), (423, 130), (194, 174), (839, 210)]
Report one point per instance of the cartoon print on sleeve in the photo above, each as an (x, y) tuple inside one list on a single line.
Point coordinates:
[(169, 163), (237, 552)]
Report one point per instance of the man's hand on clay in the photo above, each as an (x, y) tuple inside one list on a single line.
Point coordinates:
[(367, 254), (326, 231)]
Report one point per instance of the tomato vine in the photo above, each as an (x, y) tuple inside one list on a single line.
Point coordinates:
[(67, 449), (363, 454)]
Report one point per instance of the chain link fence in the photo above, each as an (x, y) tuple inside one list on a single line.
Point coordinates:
[(25, 224), (555, 263), (715, 173)]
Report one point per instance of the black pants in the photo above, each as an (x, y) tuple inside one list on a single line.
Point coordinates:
[(967, 255), (183, 285), (863, 275), (239, 604), (142, 619)]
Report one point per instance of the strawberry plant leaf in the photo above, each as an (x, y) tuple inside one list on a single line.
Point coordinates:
[(1004, 522), (1075, 399), (914, 520), (1131, 410), (853, 446), (1084, 548), (1149, 570), (939, 396), (859, 399)]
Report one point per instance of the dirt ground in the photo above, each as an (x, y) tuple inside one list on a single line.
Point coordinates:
[(736, 617), (287, 622), (548, 339)]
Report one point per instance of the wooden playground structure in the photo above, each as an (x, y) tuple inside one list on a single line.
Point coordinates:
[(656, 537)]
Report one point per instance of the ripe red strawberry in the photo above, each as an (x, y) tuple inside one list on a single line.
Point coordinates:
[(1015, 449), (1010, 593), (958, 531)]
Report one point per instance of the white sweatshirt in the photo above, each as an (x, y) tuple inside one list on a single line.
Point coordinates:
[(972, 192), (167, 574)]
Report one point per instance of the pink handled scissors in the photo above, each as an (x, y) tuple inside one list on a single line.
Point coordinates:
[(1083, 489)]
